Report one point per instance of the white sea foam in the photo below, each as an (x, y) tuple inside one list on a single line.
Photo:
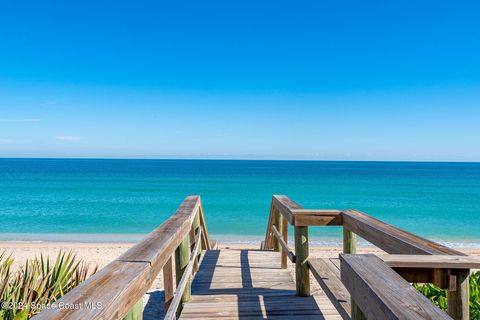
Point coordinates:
[(221, 238)]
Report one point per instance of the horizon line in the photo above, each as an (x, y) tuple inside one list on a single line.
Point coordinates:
[(229, 159)]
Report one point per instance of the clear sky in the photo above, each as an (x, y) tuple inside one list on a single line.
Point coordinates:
[(352, 80)]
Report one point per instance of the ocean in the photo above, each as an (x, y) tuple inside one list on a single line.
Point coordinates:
[(122, 200)]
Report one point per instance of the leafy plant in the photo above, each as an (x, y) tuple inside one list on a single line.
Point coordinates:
[(23, 293), (439, 296)]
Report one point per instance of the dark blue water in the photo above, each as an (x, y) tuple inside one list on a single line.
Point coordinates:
[(63, 196)]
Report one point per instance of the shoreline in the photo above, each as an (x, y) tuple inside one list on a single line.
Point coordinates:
[(95, 253), (246, 240)]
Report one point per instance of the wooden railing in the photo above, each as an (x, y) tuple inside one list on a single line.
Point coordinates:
[(448, 269), (381, 292), (117, 290)]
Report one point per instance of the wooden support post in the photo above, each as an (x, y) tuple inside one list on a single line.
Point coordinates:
[(196, 224), (182, 256), (284, 231), (192, 245), (136, 313), (276, 223), (357, 314), (302, 273), (350, 247), (349, 241), (168, 282), (196, 228), (458, 300)]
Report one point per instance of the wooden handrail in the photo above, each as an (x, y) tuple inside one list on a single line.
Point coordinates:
[(381, 293), (389, 238), (286, 249), (451, 273), (115, 289)]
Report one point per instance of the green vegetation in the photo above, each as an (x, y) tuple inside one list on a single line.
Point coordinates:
[(24, 292), (439, 296)]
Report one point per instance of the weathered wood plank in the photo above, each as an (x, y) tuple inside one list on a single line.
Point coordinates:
[(389, 238), (284, 246), (331, 284), (285, 206), (286, 254), (458, 300), (430, 261), (276, 226), (349, 241), (308, 217), (267, 243), (182, 258), (119, 281), (203, 225), (168, 283), (381, 293), (302, 274)]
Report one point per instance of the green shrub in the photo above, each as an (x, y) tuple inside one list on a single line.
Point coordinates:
[(439, 296), (38, 283)]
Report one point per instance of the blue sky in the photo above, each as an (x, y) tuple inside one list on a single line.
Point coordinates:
[(247, 79)]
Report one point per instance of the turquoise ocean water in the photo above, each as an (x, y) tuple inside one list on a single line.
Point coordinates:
[(121, 200)]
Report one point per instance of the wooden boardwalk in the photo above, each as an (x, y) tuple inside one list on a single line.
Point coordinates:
[(249, 284), (257, 284)]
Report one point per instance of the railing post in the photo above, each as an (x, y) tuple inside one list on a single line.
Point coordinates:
[(182, 256), (276, 223), (350, 246), (196, 229), (302, 273), (136, 313), (284, 231), (458, 300), (168, 282), (196, 222), (349, 241)]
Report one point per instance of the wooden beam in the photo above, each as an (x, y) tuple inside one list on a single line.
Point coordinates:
[(267, 244), (430, 261), (117, 287), (168, 284), (349, 241), (381, 293), (328, 278), (298, 216), (285, 254), (307, 217), (136, 313), (389, 238), (276, 224), (203, 224), (350, 247), (302, 273), (284, 246), (285, 206), (182, 258), (439, 277), (458, 300)]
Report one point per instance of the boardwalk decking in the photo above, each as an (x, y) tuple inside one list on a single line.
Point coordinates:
[(249, 284)]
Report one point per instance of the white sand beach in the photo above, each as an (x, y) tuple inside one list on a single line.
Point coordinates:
[(100, 254)]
